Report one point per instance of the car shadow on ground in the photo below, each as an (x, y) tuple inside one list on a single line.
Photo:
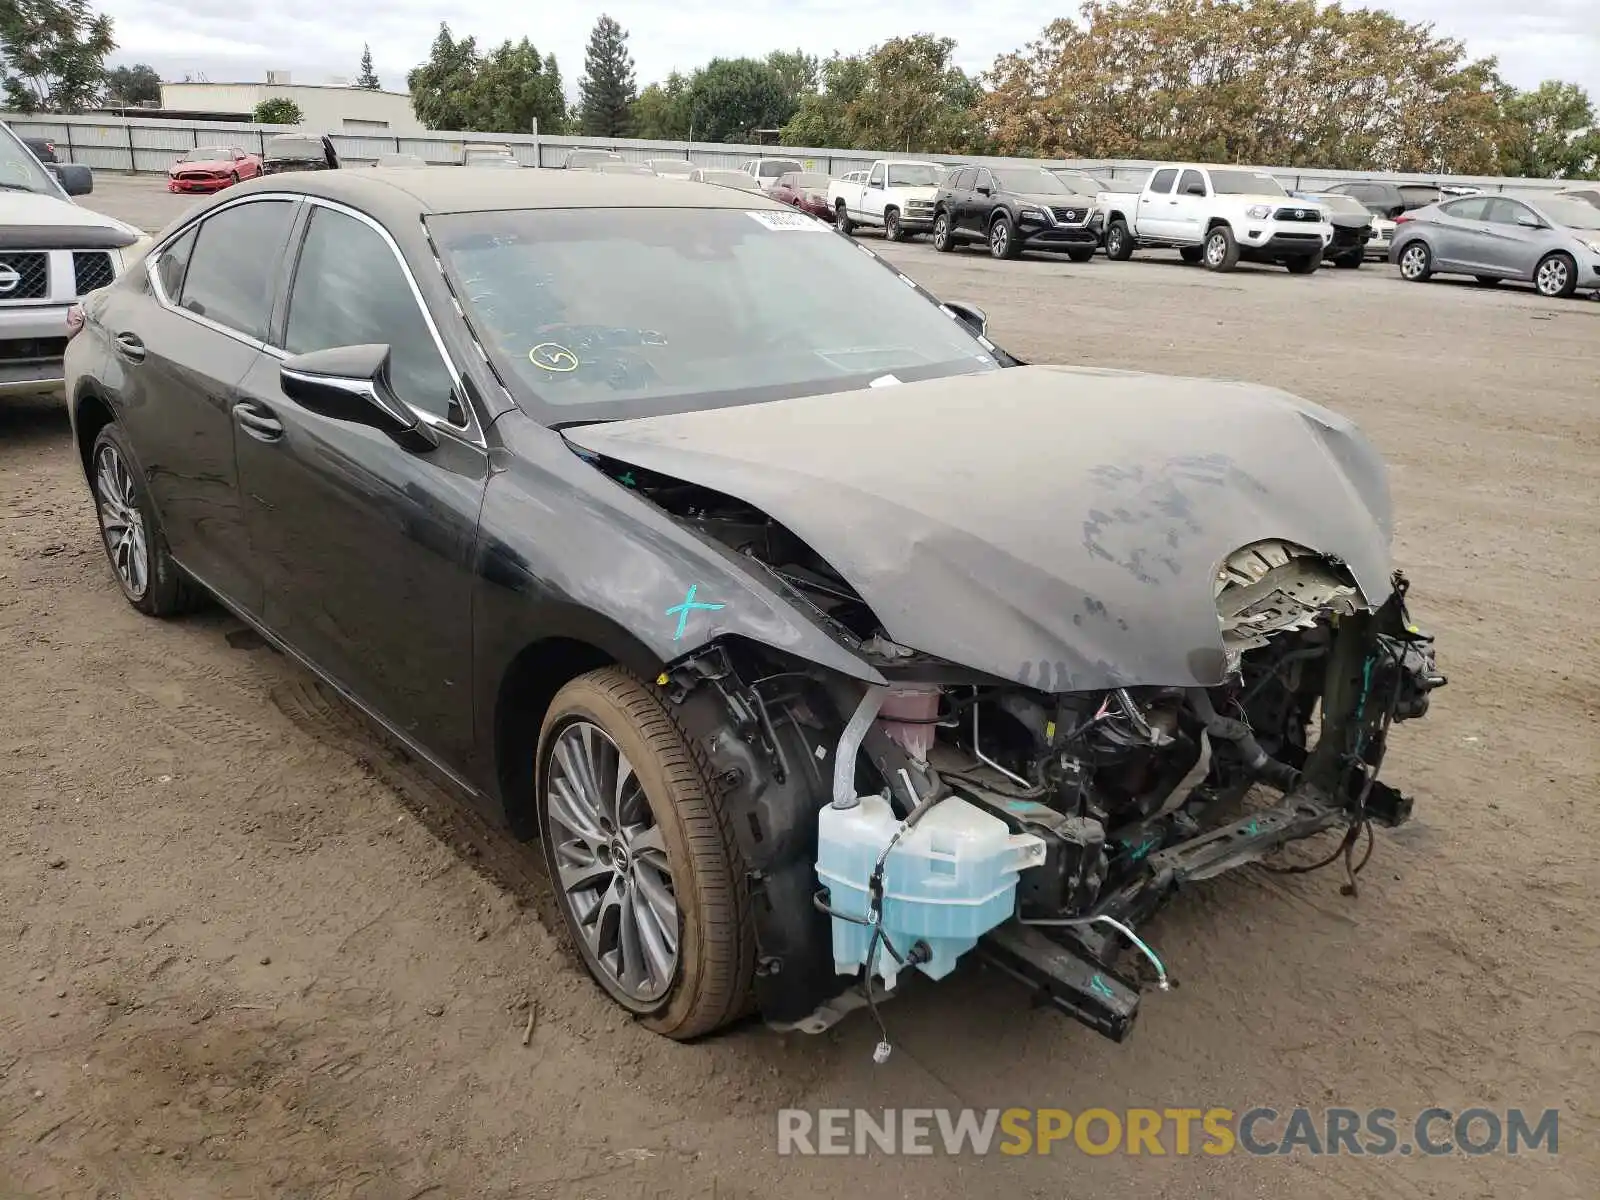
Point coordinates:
[(33, 419)]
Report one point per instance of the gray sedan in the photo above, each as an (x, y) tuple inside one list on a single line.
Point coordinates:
[(1553, 242)]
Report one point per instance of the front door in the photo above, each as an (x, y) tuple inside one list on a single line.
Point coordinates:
[(366, 547), (1188, 210), (1512, 240), (185, 348)]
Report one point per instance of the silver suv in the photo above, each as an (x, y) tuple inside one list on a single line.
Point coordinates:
[(52, 253)]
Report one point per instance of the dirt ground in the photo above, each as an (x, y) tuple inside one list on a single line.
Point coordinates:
[(247, 951)]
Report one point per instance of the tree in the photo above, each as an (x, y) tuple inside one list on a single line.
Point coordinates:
[(368, 78), (133, 85), (606, 90), (279, 110), (730, 98), (1285, 82), (798, 73), (440, 86), (512, 88), (662, 112), (1551, 133), (905, 95), (53, 54)]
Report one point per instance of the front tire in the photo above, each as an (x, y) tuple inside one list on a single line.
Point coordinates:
[(891, 225), (130, 531), (1416, 262), (841, 219), (1221, 251), (1003, 241), (1119, 241), (943, 240), (642, 857), (233, 179), (1556, 276)]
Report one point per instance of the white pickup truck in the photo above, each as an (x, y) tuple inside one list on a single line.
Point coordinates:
[(1217, 215), (896, 197)]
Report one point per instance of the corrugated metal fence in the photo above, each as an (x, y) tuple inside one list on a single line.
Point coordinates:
[(141, 144)]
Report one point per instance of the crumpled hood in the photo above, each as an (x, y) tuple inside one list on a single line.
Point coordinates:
[(1060, 527)]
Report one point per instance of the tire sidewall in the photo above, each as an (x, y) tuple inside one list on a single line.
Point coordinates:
[(941, 232), (891, 224), (1419, 247), (1571, 276), (1117, 241), (163, 588), (1000, 237)]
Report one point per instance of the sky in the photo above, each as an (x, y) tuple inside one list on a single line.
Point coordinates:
[(239, 40)]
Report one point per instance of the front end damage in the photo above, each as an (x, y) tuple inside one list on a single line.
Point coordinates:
[(1131, 792)]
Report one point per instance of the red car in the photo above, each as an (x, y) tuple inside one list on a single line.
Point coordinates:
[(806, 190), (212, 168)]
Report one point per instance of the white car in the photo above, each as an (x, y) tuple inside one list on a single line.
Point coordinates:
[(1219, 216), (1382, 238), (769, 170), (897, 197), (52, 253)]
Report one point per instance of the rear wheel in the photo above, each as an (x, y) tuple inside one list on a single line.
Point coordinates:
[(1222, 252), (1191, 254), (1119, 241), (1081, 254), (131, 533), (1556, 276), (642, 857), (1416, 262), (943, 241), (841, 219)]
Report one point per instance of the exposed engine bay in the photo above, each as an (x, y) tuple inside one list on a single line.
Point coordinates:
[(1110, 799)]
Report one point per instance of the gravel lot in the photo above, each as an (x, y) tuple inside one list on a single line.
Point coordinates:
[(248, 951)]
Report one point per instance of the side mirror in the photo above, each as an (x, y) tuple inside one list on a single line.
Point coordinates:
[(983, 189), (1195, 189), (75, 180), (351, 383), (1528, 221), (969, 315)]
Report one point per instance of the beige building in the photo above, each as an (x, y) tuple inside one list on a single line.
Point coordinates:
[(328, 108)]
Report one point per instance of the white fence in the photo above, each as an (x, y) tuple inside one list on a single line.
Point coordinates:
[(140, 144)]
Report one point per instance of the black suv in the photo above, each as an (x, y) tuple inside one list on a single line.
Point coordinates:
[(1014, 209)]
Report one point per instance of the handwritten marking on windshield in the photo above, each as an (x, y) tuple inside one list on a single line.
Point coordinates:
[(550, 356)]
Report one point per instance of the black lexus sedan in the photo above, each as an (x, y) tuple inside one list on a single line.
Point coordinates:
[(667, 568), (1012, 209)]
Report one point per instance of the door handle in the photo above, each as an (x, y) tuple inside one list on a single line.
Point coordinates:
[(130, 347), (258, 422)]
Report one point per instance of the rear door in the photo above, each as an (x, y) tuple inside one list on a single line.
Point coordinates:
[(960, 198), (1158, 207), (1459, 235), (366, 547), (184, 350), (977, 203)]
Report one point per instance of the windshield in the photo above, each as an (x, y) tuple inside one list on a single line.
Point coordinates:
[(913, 175), (1030, 179), (1083, 185), (1342, 204), (20, 170), (600, 314), (207, 154), (1574, 214), (294, 147), (811, 179), (1245, 183), (771, 168)]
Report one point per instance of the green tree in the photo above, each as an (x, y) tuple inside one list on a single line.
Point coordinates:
[(279, 110), (368, 78), (440, 88), (1551, 133), (799, 74), (606, 91), (133, 85), (53, 54), (512, 88), (730, 98), (661, 112)]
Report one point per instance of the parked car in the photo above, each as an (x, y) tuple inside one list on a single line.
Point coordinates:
[(624, 556), (1079, 183), (805, 190), (742, 180), (53, 252), (488, 154), (299, 152), (44, 149), (1352, 227), (1219, 216), (679, 168), (212, 168), (400, 162), (1382, 238), (1389, 200), (1012, 209), (769, 170), (577, 160), (1552, 242), (897, 197), (1589, 195)]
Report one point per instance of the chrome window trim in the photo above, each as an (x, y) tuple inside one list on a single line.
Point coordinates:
[(471, 432)]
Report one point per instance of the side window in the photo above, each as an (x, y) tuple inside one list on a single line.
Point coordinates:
[(876, 178), (234, 265), (1161, 182), (349, 290), (984, 180), (1192, 179), (964, 179), (173, 263), (1509, 212), (1473, 209)]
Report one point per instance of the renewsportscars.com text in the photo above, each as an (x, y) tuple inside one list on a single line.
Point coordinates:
[(1260, 1131)]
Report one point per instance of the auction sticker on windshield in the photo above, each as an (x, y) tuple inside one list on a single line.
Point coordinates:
[(788, 222)]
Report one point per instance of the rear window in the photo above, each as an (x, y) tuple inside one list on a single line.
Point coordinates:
[(295, 147), (773, 167)]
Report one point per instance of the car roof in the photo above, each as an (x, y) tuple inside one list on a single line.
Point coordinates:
[(403, 194)]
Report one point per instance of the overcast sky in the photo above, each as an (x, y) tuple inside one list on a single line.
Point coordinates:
[(233, 40)]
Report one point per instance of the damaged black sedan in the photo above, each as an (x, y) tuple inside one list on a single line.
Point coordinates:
[(814, 638)]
